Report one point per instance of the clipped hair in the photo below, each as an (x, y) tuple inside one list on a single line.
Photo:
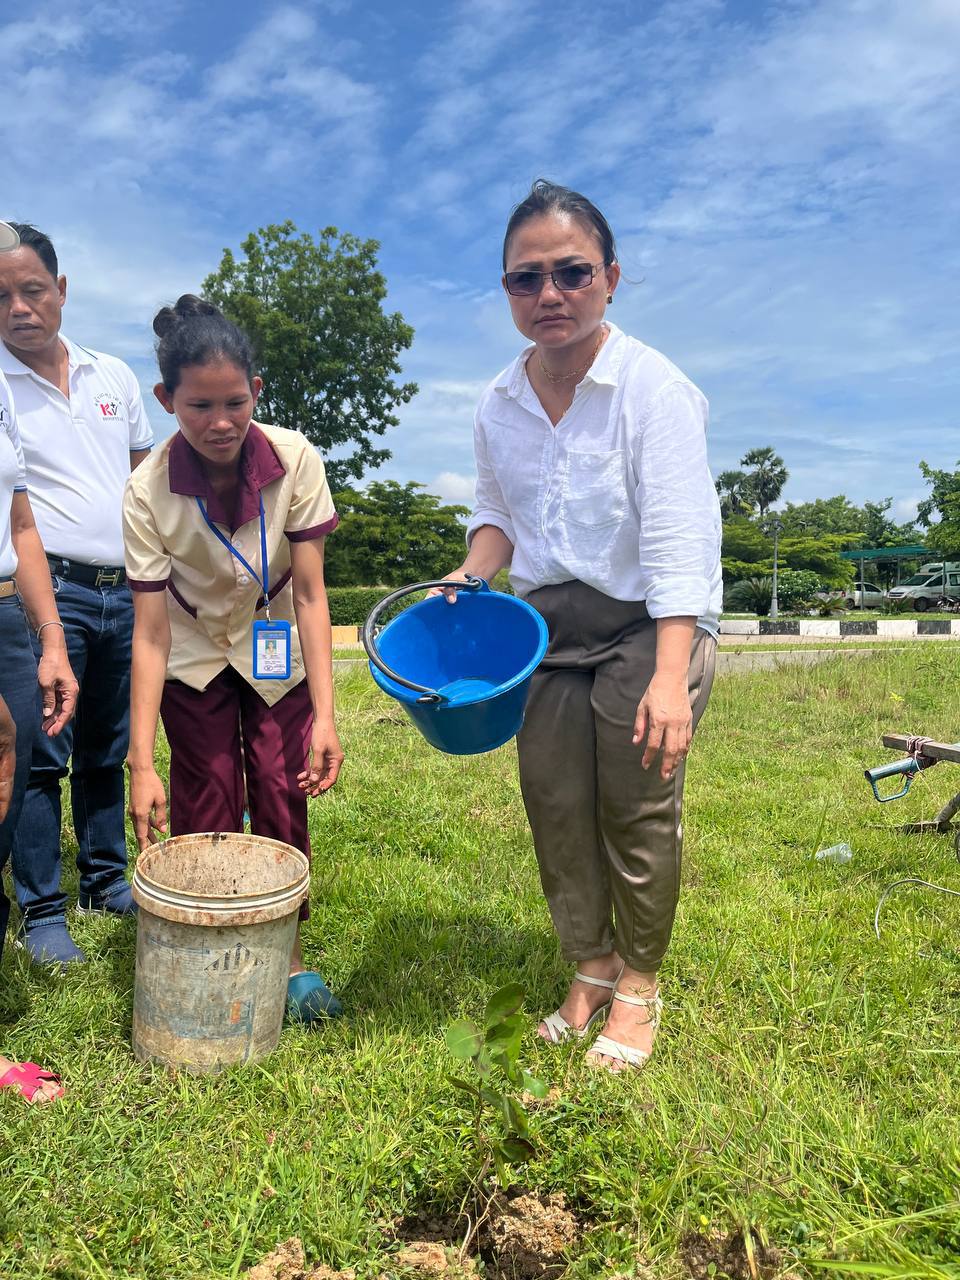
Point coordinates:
[(194, 331)]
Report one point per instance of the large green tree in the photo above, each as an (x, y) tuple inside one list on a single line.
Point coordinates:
[(327, 350), (822, 515), (943, 535), (747, 552), (391, 535), (839, 515), (766, 476)]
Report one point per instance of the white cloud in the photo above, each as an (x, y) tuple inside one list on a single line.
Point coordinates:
[(453, 487), (905, 509)]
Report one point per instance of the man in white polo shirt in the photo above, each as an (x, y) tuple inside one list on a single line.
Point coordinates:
[(83, 428)]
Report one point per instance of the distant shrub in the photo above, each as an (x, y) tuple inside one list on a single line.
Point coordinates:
[(830, 607), (797, 588), (750, 595)]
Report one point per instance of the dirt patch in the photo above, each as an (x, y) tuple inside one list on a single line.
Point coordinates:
[(431, 1259), (532, 1235), (524, 1237), (733, 1257), (287, 1262)]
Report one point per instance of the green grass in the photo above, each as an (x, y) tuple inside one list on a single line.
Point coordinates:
[(805, 1080)]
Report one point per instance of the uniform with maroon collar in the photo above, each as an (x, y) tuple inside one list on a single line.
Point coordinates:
[(212, 604)]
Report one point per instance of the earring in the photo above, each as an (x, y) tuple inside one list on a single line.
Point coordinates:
[(609, 298)]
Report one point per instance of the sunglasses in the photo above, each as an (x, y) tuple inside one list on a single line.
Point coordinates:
[(579, 275)]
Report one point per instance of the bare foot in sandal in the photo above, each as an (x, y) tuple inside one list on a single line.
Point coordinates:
[(589, 994), (631, 1027)]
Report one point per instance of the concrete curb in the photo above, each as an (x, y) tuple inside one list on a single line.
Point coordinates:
[(892, 628)]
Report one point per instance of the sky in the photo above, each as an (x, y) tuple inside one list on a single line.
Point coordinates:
[(782, 180)]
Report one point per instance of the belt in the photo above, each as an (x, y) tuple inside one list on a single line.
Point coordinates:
[(91, 575), (8, 587)]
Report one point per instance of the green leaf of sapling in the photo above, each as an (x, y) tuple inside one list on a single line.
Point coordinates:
[(463, 1040), (517, 1150), (536, 1088), (504, 1002)]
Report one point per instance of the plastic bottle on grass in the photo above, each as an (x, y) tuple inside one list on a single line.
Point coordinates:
[(840, 853)]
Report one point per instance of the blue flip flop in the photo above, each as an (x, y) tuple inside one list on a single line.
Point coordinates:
[(310, 1000)]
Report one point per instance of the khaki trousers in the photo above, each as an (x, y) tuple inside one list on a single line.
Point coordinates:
[(607, 833)]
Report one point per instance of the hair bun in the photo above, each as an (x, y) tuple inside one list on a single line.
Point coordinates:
[(187, 307)]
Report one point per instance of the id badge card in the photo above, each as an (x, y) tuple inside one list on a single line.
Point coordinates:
[(271, 650)]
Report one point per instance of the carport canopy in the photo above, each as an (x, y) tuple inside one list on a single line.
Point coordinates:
[(888, 555)]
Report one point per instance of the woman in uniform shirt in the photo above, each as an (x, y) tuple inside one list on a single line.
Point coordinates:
[(224, 528)]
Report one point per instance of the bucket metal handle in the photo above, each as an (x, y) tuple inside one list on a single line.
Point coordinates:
[(368, 635)]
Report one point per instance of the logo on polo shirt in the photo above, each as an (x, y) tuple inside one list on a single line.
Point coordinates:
[(108, 405)]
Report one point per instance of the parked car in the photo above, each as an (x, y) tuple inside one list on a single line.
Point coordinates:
[(863, 595), (924, 589)]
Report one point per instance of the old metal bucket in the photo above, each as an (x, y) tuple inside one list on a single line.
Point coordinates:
[(218, 915)]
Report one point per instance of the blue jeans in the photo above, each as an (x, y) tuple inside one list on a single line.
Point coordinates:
[(20, 691), (98, 623)]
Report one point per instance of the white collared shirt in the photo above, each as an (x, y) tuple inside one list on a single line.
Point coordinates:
[(618, 495), (77, 450), (12, 475)]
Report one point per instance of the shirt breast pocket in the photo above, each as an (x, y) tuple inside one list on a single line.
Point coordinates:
[(594, 489)]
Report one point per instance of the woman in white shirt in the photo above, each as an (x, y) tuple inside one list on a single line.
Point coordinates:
[(31, 699), (593, 486)]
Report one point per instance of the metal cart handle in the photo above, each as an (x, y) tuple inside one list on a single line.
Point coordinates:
[(368, 635), (909, 768)]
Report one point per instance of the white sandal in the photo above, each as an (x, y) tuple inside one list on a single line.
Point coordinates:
[(559, 1029), (603, 1046)]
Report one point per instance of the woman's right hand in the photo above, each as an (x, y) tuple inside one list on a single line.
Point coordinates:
[(458, 575), (148, 807)]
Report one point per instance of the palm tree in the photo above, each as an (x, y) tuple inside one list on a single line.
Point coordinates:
[(765, 481), (734, 500)]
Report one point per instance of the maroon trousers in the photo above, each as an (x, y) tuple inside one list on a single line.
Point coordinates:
[(227, 730)]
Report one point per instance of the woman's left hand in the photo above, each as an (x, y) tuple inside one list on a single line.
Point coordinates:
[(59, 689), (326, 757), (665, 719)]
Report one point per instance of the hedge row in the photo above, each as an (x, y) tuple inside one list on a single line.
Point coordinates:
[(349, 606)]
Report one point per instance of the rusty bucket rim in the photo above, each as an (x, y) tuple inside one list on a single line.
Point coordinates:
[(163, 894)]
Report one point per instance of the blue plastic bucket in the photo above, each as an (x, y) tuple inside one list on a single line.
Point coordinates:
[(461, 671)]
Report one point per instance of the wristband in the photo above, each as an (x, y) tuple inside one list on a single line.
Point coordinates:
[(52, 623)]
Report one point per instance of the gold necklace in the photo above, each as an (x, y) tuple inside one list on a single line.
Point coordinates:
[(575, 373)]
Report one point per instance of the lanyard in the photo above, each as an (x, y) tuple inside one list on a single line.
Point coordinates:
[(264, 580)]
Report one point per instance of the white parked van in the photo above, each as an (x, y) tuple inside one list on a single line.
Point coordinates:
[(925, 588)]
